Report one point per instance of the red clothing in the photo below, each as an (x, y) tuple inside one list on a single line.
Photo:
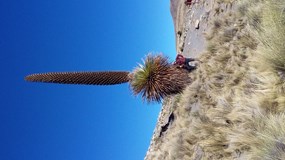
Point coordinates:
[(188, 2), (180, 60)]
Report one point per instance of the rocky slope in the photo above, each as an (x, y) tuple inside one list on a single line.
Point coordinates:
[(234, 108)]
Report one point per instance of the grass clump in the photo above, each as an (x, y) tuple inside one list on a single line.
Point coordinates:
[(265, 137), (270, 134), (271, 33)]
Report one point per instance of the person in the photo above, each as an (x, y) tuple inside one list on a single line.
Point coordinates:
[(188, 2), (183, 62)]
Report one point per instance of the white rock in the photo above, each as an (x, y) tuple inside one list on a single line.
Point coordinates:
[(197, 24)]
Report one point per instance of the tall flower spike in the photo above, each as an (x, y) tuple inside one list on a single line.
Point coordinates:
[(154, 80), (158, 78), (88, 78)]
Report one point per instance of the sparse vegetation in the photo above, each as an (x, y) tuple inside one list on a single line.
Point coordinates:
[(235, 106)]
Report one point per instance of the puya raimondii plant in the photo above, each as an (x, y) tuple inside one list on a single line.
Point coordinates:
[(155, 79)]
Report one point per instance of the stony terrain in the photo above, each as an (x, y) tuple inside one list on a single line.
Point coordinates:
[(235, 106)]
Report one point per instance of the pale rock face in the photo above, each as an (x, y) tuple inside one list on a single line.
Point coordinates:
[(178, 11)]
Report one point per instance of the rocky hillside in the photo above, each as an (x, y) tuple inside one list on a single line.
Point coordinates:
[(235, 106)]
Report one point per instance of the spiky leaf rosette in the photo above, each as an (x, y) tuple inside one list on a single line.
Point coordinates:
[(158, 78), (88, 78)]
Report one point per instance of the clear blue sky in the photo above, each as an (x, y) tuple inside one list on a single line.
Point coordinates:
[(72, 122)]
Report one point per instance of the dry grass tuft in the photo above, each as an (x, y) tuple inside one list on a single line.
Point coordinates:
[(271, 34), (265, 137)]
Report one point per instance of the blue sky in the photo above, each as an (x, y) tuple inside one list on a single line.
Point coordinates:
[(73, 122)]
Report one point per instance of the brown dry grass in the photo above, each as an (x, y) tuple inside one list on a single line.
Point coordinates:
[(235, 106)]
